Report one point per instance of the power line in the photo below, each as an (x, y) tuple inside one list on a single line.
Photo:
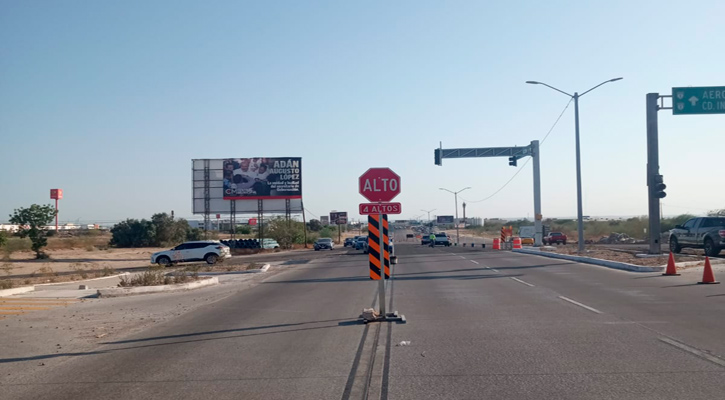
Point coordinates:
[(313, 214), (527, 160)]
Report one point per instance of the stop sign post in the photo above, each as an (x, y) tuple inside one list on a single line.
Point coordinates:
[(380, 185)]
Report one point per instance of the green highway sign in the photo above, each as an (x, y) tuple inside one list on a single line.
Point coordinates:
[(698, 100)]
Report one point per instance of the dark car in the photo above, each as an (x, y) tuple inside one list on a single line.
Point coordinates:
[(707, 233), (324, 244), (361, 243), (349, 242)]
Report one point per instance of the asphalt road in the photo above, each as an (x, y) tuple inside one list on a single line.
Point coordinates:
[(480, 324)]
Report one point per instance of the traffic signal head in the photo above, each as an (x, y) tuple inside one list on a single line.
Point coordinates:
[(437, 156), (512, 161), (659, 186)]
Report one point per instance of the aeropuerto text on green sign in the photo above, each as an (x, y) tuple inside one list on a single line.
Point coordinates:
[(698, 100)]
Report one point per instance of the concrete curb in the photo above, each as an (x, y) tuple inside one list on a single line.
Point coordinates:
[(595, 261), (121, 291), (26, 289), (84, 280), (264, 268), (17, 290)]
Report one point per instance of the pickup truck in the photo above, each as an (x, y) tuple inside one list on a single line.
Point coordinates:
[(707, 233), (555, 237)]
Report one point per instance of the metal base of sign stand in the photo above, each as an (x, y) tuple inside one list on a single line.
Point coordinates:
[(389, 317)]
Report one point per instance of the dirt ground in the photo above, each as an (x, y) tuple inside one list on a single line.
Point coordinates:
[(68, 260), (628, 255)]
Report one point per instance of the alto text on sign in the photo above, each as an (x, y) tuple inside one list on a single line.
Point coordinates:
[(379, 184), (380, 208)]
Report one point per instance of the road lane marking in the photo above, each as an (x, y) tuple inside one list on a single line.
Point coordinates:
[(694, 351), (454, 254), (473, 261), (494, 270), (462, 257), (580, 304), (23, 308), (520, 281)]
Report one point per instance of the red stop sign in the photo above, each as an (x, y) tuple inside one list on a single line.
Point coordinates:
[(379, 184)]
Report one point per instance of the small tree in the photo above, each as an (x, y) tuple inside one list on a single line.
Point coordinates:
[(716, 213), (133, 233), (3, 238), (314, 225), (244, 230), (33, 222), (285, 232), (168, 230)]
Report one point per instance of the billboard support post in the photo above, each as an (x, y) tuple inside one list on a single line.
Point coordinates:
[(207, 198), (304, 224), (233, 219), (260, 219)]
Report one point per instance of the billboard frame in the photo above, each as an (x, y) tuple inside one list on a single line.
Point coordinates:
[(207, 198)]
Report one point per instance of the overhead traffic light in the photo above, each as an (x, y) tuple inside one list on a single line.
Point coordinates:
[(512, 161), (437, 156), (659, 186)]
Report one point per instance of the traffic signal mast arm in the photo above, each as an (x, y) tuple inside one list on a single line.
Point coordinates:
[(513, 153)]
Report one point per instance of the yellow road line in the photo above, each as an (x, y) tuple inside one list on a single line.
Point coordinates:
[(23, 308), (32, 303), (10, 313), (36, 299)]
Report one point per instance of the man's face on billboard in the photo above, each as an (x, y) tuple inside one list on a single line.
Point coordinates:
[(244, 165)]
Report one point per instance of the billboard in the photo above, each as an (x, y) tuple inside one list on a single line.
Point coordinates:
[(209, 197), (262, 178), (444, 219), (325, 220), (338, 218)]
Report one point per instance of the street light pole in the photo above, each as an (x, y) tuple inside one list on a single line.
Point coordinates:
[(455, 196), (429, 211), (580, 211)]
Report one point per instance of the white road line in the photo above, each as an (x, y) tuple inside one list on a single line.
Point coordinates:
[(694, 351), (454, 254), (520, 281), (473, 261), (580, 304), (462, 257), (494, 270)]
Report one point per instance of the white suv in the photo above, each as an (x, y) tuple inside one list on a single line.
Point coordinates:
[(210, 251)]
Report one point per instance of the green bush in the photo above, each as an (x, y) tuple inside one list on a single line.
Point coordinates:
[(244, 230), (161, 231)]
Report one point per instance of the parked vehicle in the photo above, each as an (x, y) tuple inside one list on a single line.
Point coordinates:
[(269, 244), (324, 244), (555, 237), (707, 233), (349, 242), (210, 251)]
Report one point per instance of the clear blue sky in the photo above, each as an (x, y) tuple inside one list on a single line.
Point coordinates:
[(111, 100)]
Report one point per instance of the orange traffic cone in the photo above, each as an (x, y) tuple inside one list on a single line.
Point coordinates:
[(707, 275), (671, 270)]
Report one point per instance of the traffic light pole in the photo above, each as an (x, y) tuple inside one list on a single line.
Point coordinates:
[(653, 169), (513, 153)]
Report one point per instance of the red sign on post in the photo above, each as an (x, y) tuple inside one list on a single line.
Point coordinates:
[(379, 184), (380, 208), (252, 221), (56, 194)]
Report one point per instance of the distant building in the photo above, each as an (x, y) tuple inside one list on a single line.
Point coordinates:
[(474, 221)]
